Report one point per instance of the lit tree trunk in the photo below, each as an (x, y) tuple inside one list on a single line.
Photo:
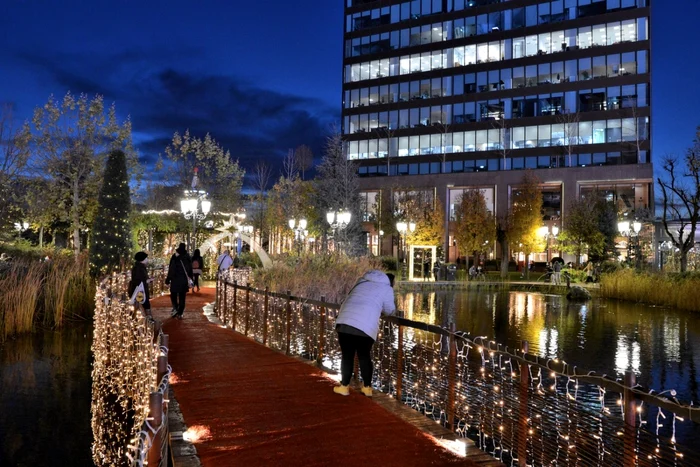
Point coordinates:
[(41, 236), (76, 217)]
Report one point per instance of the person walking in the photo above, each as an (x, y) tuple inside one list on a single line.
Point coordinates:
[(197, 267), (139, 274), (358, 325), (179, 278)]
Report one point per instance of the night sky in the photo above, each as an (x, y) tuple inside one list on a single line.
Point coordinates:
[(261, 76)]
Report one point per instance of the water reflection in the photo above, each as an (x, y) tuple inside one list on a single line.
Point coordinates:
[(662, 346), (45, 392)]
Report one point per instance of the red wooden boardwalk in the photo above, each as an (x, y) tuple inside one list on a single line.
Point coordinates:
[(264, 408)]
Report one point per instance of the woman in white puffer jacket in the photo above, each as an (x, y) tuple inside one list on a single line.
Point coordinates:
[(358, 325)]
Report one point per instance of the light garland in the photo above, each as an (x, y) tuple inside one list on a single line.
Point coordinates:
[(124, 371)]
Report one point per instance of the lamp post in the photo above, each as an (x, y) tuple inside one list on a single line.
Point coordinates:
[(631, 231), (338, 221), (403, 228), (379, 244), (195, 206), (549, 233), (300, 232)]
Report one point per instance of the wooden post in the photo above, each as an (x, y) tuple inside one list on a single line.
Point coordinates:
[(264, 330), (155, 413), (630, 456), (247, 308), (399, 366), (235, 305), (451, 378), (222, 315), (321, 332), (162, 368), (523, 424), (289, 322)]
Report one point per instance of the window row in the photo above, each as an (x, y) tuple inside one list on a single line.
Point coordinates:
[(532, 15), (584, 69), (487, 23), (539, 44), (564, 106), (508, 163), (564, 135)]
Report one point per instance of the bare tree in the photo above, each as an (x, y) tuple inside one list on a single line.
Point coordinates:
[(304, 159), (261, 179), (388, 133), (504, 139), (14, 153), (290, 168), (569, 121), (681, 203)]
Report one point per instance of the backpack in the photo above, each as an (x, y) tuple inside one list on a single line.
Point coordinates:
[(195, 264)]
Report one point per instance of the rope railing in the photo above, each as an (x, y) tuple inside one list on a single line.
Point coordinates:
[(521, 409), (129, 378)]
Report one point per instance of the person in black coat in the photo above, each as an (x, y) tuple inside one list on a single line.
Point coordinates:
[(139, 274), (179, 275)]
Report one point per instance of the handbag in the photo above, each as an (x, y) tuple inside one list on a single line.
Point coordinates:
[(190, 283)]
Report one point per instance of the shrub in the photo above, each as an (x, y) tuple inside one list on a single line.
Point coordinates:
[(314, 276), (389, 263)]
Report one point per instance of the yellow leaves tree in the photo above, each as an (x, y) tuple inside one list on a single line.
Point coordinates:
[(475, 225), (525, 217)]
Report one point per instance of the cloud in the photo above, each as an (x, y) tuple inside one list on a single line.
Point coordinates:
[(252, 122)]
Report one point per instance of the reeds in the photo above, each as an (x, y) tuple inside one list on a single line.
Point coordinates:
[(652, 288), (48, 292), (316, 276), (20, 292)]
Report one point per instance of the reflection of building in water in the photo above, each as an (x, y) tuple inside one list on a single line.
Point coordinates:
[(549, 343), (672, 339), (627, 355)]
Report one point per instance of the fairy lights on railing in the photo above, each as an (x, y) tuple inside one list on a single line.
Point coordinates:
[(130, 366), (521, 409)]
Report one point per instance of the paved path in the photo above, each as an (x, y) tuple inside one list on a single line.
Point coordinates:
[(264, 408)]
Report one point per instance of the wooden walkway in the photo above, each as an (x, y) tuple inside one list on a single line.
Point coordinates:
[(250, 405)]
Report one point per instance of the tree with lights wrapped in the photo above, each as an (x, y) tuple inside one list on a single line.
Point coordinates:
[(111, 235)]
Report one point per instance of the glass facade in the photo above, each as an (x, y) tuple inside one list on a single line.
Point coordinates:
[(487, 86)]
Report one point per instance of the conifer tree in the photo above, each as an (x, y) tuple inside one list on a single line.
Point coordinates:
[(111, 236)]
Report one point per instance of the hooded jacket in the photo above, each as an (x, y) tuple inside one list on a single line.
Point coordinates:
[(371, 296)]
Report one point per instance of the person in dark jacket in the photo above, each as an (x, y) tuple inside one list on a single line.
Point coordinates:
[(197, 267), (139, 274), (179, 275)]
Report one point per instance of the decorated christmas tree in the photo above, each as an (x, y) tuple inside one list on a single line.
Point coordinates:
[(110, 243)]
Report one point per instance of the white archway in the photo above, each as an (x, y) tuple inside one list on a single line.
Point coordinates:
[(210, 244)]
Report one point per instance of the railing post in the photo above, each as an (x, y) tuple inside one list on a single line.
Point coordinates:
[(451, 378), (322, 332), (217, 300), (155, 414), (267, 296), (399, 366), (630, 456), (223, 313), (162, 360), (235, 305), (523, 429), (289, 322), (247, 308)]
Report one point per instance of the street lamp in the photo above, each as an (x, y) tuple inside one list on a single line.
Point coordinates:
[(631, 231), (548, 234), (403, 228), (299, 229), (379, 244), (195, 206), (338, 221)]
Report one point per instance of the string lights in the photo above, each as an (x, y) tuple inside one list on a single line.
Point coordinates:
[(125, 350)]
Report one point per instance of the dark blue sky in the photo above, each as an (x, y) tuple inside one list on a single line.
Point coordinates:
[(261, 77)]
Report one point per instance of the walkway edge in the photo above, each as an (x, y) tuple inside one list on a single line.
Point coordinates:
[(182, 452)]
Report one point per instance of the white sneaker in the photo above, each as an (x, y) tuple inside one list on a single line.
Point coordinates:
[(173, 313)]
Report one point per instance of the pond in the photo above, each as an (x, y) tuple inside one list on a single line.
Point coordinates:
[(45, 393), (661, 346)]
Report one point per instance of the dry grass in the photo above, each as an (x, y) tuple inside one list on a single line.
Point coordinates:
[(314, 277), (32, 291), (654, 289)]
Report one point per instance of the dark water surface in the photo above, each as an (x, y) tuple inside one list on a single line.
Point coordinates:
[(661, 346), (45, 394)]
